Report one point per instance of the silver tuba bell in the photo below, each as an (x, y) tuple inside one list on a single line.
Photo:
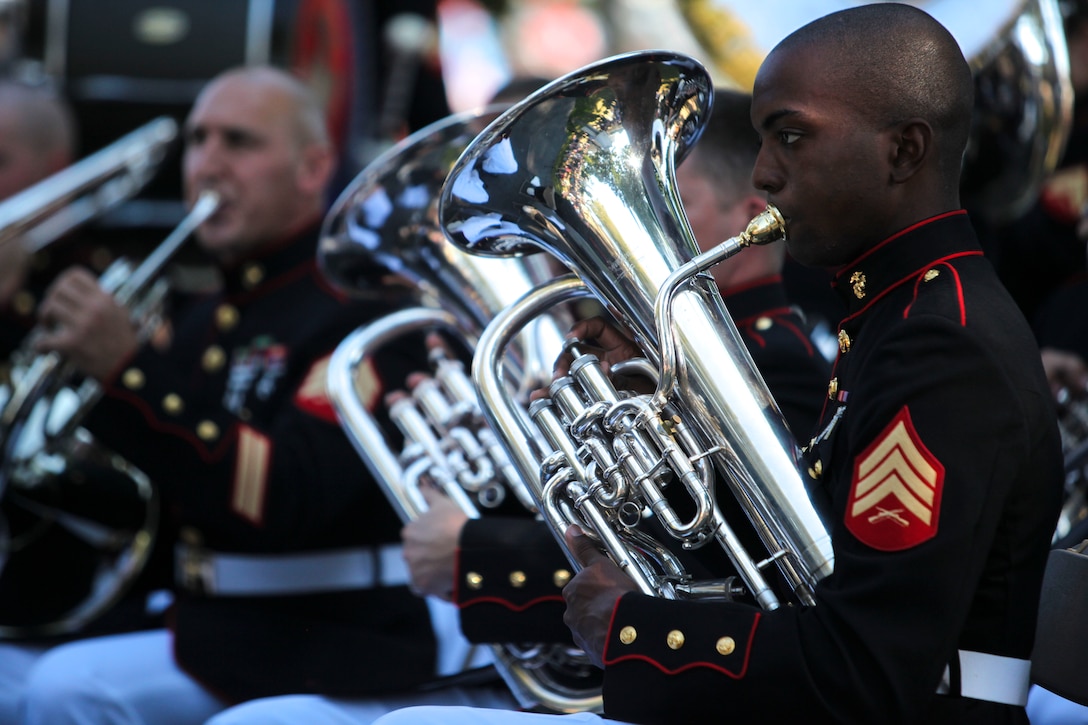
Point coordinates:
[(585, 169), (65, 501), (385, 223)]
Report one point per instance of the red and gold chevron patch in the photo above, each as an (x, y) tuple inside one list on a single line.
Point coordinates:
[(895, 495)]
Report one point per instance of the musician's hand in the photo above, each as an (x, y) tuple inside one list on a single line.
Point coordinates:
[(430, 545), (602, 338), (591, 595), (611, 345), (1066, 372), (14, 263), (86, 325)]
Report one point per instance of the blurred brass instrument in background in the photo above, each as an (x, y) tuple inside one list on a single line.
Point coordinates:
[(67, 502), (43, 213), (585, 169), (1073, 426), (385, 223), (1017, 51)]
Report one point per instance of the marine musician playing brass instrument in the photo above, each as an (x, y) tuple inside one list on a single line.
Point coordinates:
[(937, 449), (714, 184), (289, 571)]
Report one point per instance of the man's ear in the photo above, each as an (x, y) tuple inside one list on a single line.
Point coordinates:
[(911, 145), (316, 168)]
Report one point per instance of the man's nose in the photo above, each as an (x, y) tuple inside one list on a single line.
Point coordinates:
[(765, 174), (206, 160)]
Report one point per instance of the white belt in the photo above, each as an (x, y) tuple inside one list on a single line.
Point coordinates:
[(989, 677), (214, 573)]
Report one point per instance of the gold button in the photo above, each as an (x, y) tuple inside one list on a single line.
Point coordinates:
[(190, 536), (23, 303), (816, 470), (101, 258), (206, 430), (517, 579), (628, 635), (474, 580), (252, 275), (213, 358), (675, 639), (561, 577), (725, 646), (172, 404), (764, 323), (133, 379), (857, 281), (844, 341), (226, 316), (832, 388), (931, 275)]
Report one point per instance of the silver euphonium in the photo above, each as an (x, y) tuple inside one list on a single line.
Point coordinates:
[(584, 169), (386, 224)]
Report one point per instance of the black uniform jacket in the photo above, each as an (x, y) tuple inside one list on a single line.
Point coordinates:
[(938, 452), (232, 422), (511, 573)]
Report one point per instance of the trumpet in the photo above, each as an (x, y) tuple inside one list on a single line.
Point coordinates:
[(54, 206), (45, 450), (585, 169), (386, 222)]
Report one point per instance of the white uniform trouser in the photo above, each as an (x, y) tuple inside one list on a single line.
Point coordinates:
[(477, 716), (316, 710), (1046, 708), (454, 652), (123, 679), (15, 662), (132, 679)]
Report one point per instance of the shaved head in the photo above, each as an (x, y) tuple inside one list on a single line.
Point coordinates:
[(896, 62), (44, 121), (37, 136), (305, 112)]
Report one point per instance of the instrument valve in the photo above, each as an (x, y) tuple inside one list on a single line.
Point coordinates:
[(629, 515)]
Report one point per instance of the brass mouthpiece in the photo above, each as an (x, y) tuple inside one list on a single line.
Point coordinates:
[(768, 226)]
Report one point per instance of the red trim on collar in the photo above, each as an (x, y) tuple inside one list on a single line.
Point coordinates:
[(959, 292), (911, 228), (889, 288)]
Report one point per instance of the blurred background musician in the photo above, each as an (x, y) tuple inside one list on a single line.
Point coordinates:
[(506, 575), (37, 139), (1041, 252), (289, 576)]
